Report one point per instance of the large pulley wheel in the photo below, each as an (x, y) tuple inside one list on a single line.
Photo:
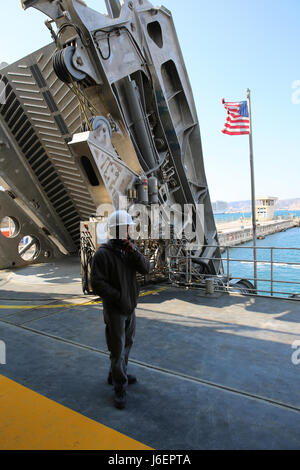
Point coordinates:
[(96, 122), (64, 68)]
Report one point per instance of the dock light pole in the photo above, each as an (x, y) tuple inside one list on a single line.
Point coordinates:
[(253, 198)]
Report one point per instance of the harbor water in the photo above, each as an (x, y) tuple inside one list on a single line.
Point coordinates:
[(283, 272)]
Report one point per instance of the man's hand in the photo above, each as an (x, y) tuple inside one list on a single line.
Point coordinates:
[(128, 246)]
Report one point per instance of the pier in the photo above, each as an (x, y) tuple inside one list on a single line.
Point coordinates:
[(240, 231)]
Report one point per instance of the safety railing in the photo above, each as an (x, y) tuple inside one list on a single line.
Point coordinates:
[(278, 271)]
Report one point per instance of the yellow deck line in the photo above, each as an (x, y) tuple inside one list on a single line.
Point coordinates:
[(85, 304), (30, 421)]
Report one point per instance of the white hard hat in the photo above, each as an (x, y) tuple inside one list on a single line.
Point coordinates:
[(120, 218)]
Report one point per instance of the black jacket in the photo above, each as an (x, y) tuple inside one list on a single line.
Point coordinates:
[(113, 277)]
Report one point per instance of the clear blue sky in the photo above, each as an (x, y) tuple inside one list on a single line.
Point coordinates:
[(228, 46)]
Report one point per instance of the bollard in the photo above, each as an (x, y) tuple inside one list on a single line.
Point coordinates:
[(210, 286)]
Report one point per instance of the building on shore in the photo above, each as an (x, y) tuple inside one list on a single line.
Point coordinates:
[(265, 208)]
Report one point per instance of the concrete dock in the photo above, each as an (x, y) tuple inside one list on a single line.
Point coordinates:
[(213, 373), (233, 233)]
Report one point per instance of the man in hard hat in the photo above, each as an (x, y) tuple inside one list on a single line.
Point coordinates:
[(113, 277)]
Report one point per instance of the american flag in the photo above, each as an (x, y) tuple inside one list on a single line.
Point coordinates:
[(238, 121)]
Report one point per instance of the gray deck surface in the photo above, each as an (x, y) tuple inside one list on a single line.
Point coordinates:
[(214, 373)]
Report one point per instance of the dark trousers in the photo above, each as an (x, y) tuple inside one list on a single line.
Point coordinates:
[(119, 332)]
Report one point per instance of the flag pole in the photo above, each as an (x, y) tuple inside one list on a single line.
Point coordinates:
[(253, 198)]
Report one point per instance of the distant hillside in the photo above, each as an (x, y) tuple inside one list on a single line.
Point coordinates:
[(240, 206), (289, 204), (284, 204)]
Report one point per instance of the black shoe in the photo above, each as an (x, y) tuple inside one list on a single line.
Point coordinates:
[(120, 400), (131, 379)]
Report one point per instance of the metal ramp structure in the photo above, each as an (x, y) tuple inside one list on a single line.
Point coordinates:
[(38, 117), (24, 242), (93, 116)]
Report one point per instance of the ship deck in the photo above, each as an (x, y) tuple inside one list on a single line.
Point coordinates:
[(213, 373)]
